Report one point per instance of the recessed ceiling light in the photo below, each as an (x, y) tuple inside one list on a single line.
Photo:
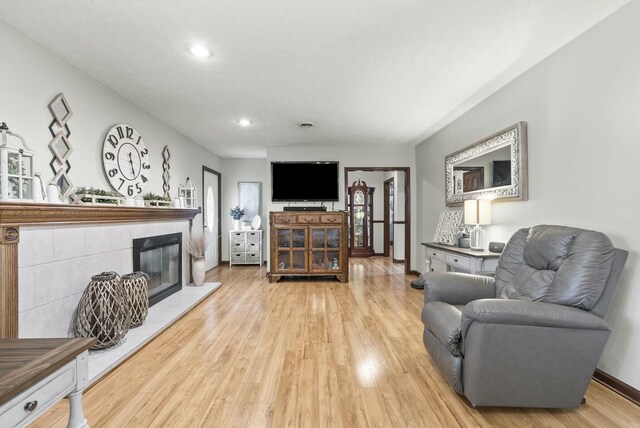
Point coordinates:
[(244, 122), (199, 51)]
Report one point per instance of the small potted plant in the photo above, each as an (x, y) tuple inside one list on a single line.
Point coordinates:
[(236, 213), (196, 247)]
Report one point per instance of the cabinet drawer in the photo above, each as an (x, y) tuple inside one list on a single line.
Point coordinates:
[(237, 246), (253, 237), (435, 254), (253, 258), (461, 262), (238, 257), (236, 236), (308, 218), (252, 248), (438, 266), (331, 218), (284, 218), (46, 393)]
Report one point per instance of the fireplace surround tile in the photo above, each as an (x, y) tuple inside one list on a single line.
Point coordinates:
[(55, 281), (97, 239), (26, 288), (36, 246), (69, 242), (58, 315), (122, 235)]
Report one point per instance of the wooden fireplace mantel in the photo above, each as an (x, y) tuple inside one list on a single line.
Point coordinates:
[(16, 214), (21, 214)]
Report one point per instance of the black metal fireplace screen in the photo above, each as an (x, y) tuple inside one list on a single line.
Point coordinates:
[(160, 257)]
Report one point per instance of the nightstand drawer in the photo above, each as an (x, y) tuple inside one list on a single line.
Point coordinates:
[(253, 258), (461, 262), (252, 248)]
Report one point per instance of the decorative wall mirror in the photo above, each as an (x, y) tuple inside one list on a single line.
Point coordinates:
[(492, 168)]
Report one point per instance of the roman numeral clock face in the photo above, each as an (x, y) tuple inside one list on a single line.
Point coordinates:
[(125, 159)]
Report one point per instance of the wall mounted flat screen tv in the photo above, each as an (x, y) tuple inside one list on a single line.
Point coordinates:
[(304, 181)]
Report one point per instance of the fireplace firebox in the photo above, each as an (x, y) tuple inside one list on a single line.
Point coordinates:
[(160, 257)]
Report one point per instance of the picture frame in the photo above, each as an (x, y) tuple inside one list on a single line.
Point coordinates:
[(249, 198), (448, 226)]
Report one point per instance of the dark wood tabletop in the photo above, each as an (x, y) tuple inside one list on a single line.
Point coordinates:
[(24, 362)]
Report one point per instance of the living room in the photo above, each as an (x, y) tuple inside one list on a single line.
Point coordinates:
[(255, 346)]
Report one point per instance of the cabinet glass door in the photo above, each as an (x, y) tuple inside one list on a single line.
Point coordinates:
[(325, 249), (291, 243)]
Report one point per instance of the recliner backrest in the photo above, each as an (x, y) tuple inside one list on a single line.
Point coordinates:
[(555, 264)]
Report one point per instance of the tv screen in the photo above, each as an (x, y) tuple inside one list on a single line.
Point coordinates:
[(304, 181)]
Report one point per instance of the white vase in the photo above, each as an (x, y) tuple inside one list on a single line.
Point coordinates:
[(236, 225), (197, 271)]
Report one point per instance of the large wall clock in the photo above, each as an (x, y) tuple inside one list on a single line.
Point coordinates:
[(125, 159)]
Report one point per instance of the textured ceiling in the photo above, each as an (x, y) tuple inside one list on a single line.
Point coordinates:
[(364, 71)]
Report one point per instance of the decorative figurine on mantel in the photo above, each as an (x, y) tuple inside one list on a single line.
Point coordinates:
[(16, 167)]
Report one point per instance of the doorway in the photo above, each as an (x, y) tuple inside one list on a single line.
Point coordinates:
[(401, 214), (211, 211), (388, 216)]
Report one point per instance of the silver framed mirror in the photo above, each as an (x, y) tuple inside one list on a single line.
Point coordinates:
[(492, 168)]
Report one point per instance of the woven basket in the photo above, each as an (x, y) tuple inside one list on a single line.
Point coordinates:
[(134, 287), (102, 311)]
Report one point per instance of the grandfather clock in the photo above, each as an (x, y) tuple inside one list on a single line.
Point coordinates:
[(360, 219)]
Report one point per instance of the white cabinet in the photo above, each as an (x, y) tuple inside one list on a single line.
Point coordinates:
[(245, 247)]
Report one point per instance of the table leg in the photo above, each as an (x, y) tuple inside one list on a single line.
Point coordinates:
[(421, 281), (76, 414)]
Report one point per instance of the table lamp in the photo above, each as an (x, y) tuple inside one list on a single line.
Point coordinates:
[(478, 212)]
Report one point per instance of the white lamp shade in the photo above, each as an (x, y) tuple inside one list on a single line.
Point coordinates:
[(477, 211)]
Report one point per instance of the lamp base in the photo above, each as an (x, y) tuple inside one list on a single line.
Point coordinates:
[(476, 238)]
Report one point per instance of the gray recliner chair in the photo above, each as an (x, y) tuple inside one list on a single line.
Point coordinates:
[(531, 336)]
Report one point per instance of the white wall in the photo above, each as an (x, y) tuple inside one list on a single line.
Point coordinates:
[(582, 106), (236, 170), (29, 79), (347, 156)]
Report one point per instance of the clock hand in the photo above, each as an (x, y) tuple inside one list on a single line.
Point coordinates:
[(133, 171)]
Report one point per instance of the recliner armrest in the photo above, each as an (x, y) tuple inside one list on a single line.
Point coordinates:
[(457, 288), (523, 312)]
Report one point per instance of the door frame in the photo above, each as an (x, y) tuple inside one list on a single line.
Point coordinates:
[(386, 217), (407, 203), (212, 171)]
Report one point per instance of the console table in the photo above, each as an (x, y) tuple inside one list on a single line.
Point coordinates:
[(444, 258), (37, 373)]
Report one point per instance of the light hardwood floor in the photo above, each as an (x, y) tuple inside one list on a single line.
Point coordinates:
[(318, 354)]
